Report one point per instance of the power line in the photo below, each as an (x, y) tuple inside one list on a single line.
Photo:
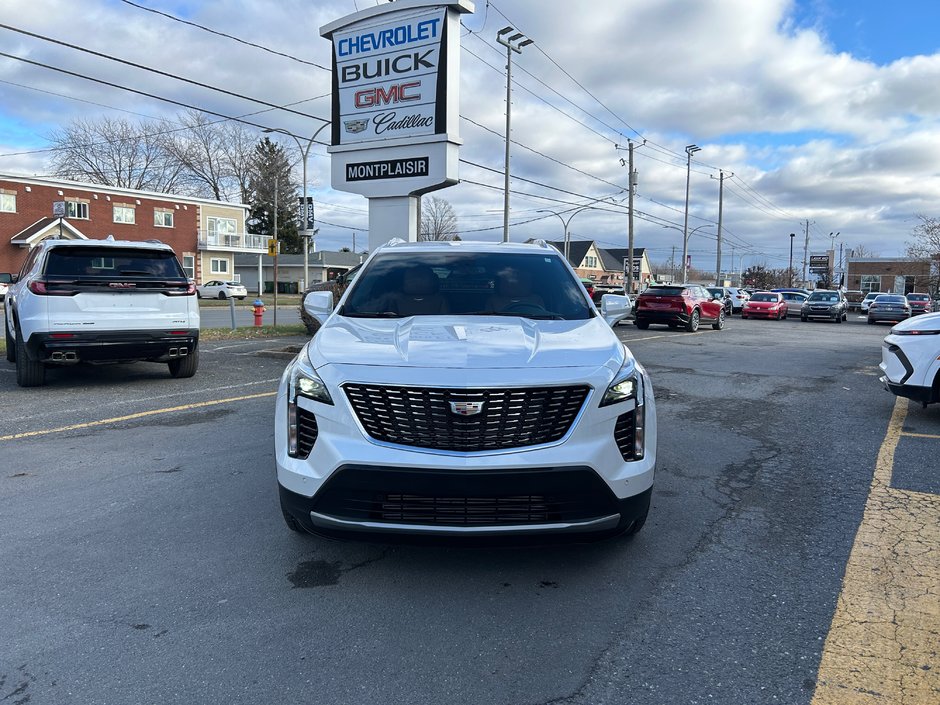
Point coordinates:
[(223, 34), (157, 71)]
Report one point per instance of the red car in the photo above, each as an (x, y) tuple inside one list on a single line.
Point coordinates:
[(919, 303), (765, 304), (684, 305)]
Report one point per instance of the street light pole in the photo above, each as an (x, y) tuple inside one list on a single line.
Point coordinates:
[(686, 238), (689, 150), (790, 270), (305, 151), (832, 256), (512, 44)]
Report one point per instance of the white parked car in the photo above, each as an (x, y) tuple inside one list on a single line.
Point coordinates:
[(100, 301), (217, 289), (869, 297), (910, 359), (5, 280), (465, 389)]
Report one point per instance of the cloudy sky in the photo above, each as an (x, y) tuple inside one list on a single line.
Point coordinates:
[(824, 115)]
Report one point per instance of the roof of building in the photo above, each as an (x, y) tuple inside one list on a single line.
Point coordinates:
[(322, 258), (101, 188)]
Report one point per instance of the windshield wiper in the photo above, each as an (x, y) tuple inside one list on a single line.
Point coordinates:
[(372, 314)]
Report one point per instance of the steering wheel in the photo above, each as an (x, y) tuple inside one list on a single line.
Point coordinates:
[(525, 307)]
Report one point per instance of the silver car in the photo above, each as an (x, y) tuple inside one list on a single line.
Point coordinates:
[(794, 301)]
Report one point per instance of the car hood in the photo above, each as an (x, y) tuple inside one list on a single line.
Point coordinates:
[(478, 342), (927, 322)]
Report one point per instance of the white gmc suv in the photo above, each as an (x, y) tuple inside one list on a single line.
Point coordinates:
[(100, 301), (465, 389)]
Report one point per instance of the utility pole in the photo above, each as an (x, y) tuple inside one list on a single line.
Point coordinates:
[(512, 44), (732, 267), (631, 181), (690, 149), (805, 252), (721, 200), (277, 246)]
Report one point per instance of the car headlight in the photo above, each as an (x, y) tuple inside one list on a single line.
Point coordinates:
[(303, 382), (628, 384)]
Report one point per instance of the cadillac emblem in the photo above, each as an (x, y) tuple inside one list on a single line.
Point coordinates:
[(356, 126), (466, 408)]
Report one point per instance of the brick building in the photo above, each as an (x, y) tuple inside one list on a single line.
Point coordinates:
[(205, 234), (890, 275)]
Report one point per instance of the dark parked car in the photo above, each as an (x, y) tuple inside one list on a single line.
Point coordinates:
[(338, 286), (889, 307), (825, 303), (679, 305), (919, 303), (721, 294)]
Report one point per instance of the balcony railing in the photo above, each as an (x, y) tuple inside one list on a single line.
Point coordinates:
[(236, 241)]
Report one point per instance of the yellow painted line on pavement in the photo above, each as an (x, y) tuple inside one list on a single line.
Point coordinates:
[(884, 642), (920, 435), (131, 417)]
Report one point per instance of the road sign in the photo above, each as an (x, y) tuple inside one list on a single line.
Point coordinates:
[(273, 247)]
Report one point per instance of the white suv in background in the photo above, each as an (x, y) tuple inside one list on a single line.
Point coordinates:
[(465, 389), (100, 301)]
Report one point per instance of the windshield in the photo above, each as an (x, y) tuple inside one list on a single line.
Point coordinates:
[(918, 297), (763, 297), (825, 296), (664, 291), (398, 284)]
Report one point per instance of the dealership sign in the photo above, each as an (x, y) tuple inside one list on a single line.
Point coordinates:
[(386, 78), (395, 109), (818, 264)]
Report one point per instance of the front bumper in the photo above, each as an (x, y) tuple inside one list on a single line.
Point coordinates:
[(112, 346), (411, 502), (924, 395)]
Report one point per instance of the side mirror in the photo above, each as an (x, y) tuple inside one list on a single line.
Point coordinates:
[(614, 308), (319, 304)]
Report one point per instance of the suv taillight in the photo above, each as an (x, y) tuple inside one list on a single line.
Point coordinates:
[(43, 288)]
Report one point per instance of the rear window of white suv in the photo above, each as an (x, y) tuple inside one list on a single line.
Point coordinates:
[(112, 262)]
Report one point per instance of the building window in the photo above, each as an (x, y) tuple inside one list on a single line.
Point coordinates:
[(76, 209), (219, 266), (221, 231), (124, 214), (189, 266), (162, 218), (870, 282), (7, 202)]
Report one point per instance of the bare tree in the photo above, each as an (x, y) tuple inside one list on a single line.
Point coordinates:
[(216, 155), (926, 247), (861, 251), (114, 152), (438, 220)]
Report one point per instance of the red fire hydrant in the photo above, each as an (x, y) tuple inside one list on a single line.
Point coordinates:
[(258, 310)]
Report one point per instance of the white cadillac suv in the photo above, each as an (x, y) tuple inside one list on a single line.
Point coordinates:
[(465, 389)]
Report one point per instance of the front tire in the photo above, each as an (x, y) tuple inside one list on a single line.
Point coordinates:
[(29, 373), (642, 325), (803, 318), (720, 321), (183, 367), (692, 325), (221, 296)]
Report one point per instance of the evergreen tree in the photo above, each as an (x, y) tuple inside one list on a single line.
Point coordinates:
[(270, 170)]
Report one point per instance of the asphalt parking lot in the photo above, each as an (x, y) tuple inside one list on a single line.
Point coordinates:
[(791, 554)]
